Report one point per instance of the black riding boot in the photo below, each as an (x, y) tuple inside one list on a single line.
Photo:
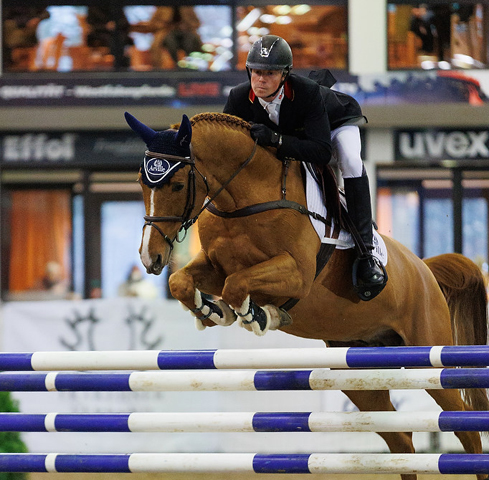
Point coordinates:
[(369, 275)]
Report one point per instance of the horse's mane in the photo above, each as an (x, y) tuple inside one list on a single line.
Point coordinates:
[(229, 120)]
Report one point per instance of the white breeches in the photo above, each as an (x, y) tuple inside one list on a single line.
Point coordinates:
[(347, 150)]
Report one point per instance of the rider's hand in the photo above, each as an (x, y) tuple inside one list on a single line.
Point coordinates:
[(265, 136)]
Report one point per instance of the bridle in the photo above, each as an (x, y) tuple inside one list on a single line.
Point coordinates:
[(149, 220), (185, 218)]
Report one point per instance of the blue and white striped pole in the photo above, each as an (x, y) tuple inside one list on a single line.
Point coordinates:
[(248, 463), (337, 357), (208, 380), (247, 422)]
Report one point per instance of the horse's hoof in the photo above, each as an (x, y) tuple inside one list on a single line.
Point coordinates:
[(278, 317), (253, 317)]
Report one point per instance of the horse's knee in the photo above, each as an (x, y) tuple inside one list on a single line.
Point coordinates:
[(181, 286)]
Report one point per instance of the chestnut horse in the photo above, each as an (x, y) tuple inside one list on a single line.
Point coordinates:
[(257, 261)]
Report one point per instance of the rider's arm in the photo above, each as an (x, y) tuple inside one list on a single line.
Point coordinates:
[(312, 143)]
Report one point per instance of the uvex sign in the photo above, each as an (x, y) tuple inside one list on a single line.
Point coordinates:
[(456, 144)]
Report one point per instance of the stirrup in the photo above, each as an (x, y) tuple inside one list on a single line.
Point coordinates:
[(368, 291)]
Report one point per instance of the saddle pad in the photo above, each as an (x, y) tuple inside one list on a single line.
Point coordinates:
[(315, 203)]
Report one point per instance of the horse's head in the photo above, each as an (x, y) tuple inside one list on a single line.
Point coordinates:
[(167, 180)]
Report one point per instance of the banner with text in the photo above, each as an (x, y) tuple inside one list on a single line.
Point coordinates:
[(442, 144)]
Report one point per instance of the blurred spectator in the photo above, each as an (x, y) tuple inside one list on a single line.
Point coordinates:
[(53, 280), (137, 286), (20, 32), (52, 286), (108, 27), (442, 21), (95, 289), (159, 25), (183, 34), (422, 27)]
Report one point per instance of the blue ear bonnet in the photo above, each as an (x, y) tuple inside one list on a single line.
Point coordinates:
[(167, 143), (156, 170)]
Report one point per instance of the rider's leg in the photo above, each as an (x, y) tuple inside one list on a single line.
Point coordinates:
[(347, 150)]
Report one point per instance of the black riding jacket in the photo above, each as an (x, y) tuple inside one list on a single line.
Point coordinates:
[(307, 114)]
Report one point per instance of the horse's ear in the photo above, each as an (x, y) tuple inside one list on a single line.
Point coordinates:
[(145, 132), (184, 134)]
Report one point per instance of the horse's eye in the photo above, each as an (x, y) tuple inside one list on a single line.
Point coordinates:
[(176, 187)]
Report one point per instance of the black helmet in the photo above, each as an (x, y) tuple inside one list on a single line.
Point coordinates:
[(270, 53)]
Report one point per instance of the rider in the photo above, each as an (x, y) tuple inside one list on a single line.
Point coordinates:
[(309, 122)]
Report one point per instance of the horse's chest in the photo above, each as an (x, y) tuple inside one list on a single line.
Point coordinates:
[(234, 253)]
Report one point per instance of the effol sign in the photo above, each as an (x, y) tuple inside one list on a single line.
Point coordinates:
[(38, 147), (442, 144), (44, 149)]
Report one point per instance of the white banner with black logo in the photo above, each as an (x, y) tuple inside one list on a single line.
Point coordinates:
[(127, 324)]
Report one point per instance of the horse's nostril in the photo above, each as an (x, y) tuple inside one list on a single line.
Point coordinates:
[(157, 265)]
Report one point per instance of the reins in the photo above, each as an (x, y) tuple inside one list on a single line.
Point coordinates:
[(186, 221)]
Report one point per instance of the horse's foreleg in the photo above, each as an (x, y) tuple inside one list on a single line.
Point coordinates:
[(279, 277), (398, 442), (186, 285)]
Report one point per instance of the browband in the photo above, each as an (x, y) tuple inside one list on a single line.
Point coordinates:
[(165, 156)]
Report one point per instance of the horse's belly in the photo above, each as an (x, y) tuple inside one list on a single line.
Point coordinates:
[(236, 244)]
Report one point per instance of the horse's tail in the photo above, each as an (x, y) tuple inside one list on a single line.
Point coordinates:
[(464, 288)]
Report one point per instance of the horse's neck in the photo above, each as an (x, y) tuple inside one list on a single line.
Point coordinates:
[(221, 154)]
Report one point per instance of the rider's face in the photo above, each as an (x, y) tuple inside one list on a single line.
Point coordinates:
[(265, 82)]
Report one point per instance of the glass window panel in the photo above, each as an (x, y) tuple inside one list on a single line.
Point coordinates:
[(444, 35), (40, 244), (78, 247), (474, 219), (112, 37), (317, 34), (121, 231), (196, 37), (398, 215), (121, 237), (438, 226)]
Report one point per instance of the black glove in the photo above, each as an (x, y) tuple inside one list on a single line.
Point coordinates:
[(265, 136)]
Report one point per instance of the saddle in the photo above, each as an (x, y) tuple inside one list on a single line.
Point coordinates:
[(326, 179)]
